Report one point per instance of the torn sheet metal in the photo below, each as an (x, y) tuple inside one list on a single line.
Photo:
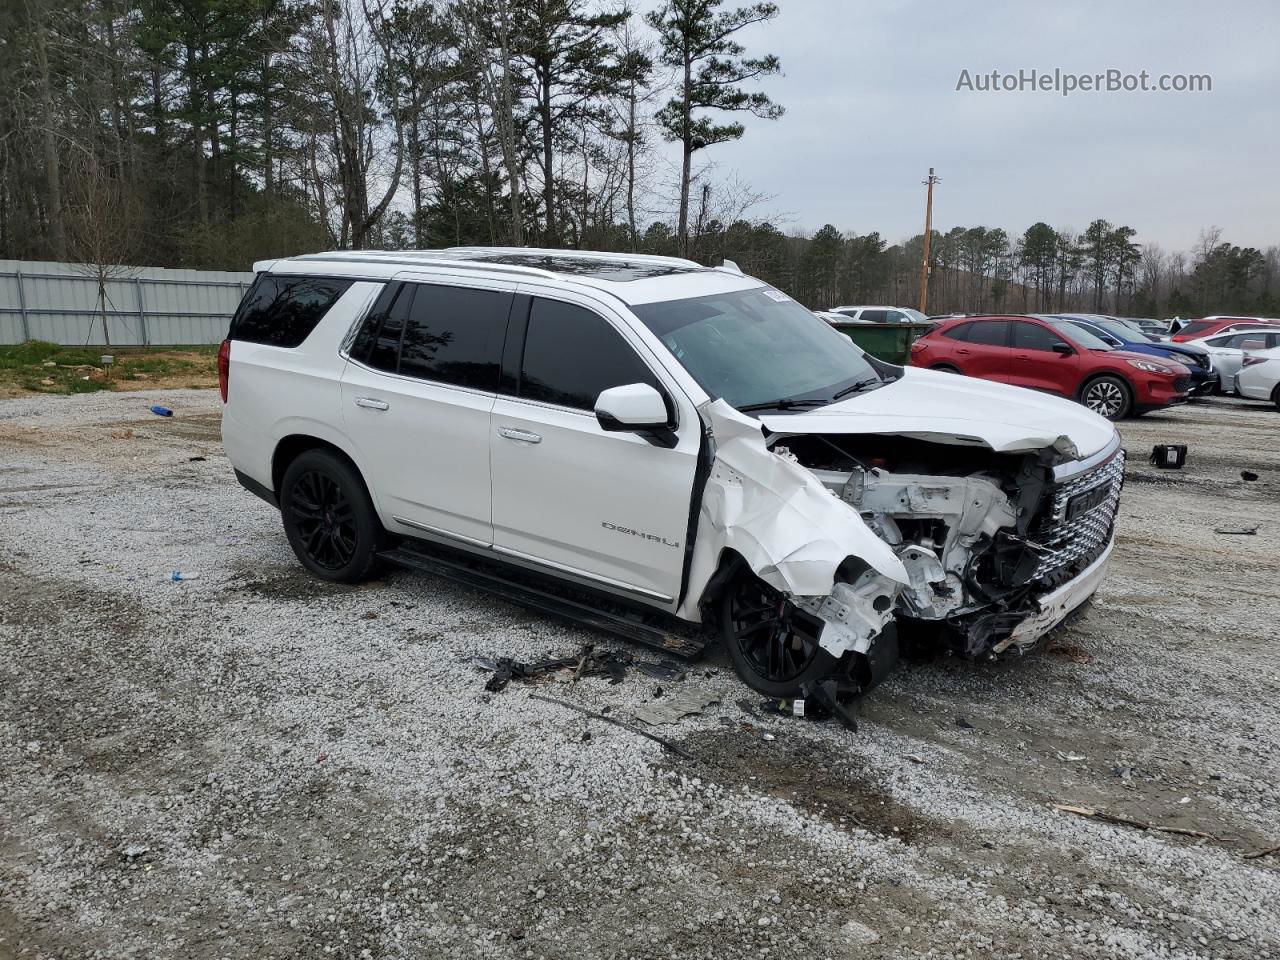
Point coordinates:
[(791, 530)]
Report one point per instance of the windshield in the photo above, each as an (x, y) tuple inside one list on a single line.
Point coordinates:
[(756, 346), (915, 315), (1081, 336), (1124, 331)]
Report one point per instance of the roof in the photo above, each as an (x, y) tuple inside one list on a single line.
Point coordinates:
[(632, 278)]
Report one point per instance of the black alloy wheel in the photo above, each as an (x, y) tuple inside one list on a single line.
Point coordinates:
[(773, 644), (328, 517), (323, 517)]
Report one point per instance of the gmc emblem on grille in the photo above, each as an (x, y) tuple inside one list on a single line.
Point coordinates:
[(1084, 502)]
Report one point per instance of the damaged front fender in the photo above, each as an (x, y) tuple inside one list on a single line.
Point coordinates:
[(791, 531)]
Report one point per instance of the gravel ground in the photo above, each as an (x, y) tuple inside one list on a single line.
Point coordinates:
[(256, 763)]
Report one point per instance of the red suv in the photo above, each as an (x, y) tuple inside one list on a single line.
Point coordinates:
[(1198, 329), (1056, 356)]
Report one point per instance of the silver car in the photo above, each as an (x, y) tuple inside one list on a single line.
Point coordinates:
[(1228, 350)]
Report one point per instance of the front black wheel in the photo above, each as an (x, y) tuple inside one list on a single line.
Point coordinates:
[(773, 645), (328, 517)]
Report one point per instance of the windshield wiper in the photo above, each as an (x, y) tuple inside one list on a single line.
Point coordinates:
[(786, 403), (857, 388)]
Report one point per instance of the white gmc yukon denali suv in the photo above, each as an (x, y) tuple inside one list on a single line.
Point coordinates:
[(670, 452)]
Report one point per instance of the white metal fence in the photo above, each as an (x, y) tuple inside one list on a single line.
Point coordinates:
[(144, 305)]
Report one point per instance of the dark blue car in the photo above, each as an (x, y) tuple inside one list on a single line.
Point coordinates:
[(1204, 379)]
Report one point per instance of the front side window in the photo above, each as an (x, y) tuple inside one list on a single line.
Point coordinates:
[(875, 316), (571, 354), (454, 335), (1032, 336), (756, 346), (282, 311)]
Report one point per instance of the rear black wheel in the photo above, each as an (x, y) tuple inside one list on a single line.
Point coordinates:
[(773, 644), (945, 368), (328, 517)]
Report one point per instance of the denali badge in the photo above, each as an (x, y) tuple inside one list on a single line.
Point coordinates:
[(636, 533)]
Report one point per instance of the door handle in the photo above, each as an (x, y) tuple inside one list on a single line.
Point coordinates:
[(965, 352), (524, 436), (369, 403)]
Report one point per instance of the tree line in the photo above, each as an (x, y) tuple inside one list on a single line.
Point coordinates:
[(212, 133), (208, 131)]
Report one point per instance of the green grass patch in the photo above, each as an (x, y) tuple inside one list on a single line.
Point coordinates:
[(40, 367)]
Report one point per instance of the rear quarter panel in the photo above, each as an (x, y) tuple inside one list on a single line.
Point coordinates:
[(277, 391)]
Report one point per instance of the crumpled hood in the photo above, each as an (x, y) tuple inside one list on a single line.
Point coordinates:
[(949, 408)]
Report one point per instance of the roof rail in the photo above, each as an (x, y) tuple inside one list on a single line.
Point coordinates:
[(418, 258), (582, 255)]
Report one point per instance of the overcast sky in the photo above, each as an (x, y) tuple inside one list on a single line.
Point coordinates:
[(870, 92)]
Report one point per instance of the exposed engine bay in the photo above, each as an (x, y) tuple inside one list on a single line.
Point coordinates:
[(855, 534), (979, 533)]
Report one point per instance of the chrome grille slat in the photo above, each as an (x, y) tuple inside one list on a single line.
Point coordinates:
[(1065, 542)]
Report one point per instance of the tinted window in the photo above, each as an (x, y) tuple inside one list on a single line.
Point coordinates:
[(282, 311), (990, 332), (960, 331), (875, 316), (571, 354), (1032, 336), (454, 335), (1194, 327), (378, 342)]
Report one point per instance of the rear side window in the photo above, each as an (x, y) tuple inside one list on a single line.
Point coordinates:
[(282, 311), (378, 342), (571, 354), (454, 335), (875, 316), (1195, 327), (959, 332), (991, 332)]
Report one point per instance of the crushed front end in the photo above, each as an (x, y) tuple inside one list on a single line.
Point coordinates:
[(999, 547)]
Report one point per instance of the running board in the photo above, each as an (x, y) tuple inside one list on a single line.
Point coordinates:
[(687, 646)]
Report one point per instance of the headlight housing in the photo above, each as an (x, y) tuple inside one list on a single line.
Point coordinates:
[(1150, 366)]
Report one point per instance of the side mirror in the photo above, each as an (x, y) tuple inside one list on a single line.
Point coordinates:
[(636, 408), (1063, 348)]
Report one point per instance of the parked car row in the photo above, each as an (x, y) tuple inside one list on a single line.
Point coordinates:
[(1055, 355)]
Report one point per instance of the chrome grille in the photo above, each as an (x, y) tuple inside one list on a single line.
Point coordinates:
[(1065, 542)]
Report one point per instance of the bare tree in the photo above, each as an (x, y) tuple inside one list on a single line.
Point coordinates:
[(104, 228)]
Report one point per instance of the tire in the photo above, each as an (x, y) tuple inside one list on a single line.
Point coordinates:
[(1109, 396), (329, 518), (945, 368), (773, 646), (1275, 396)]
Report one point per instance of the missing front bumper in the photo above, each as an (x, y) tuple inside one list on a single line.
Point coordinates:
[(1056, 606)]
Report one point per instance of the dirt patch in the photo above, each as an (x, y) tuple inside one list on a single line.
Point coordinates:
[(812, 775)]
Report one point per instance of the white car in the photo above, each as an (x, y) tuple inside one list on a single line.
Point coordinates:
[(1259, 376), (663, 450), (1228, 350), (881, 314)]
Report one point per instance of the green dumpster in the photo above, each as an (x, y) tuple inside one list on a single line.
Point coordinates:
[(890, 342)]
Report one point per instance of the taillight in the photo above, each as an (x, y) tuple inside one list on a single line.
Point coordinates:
[(1248, 360), (224, 368)]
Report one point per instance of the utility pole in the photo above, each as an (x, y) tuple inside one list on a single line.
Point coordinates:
[(928, 230)]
